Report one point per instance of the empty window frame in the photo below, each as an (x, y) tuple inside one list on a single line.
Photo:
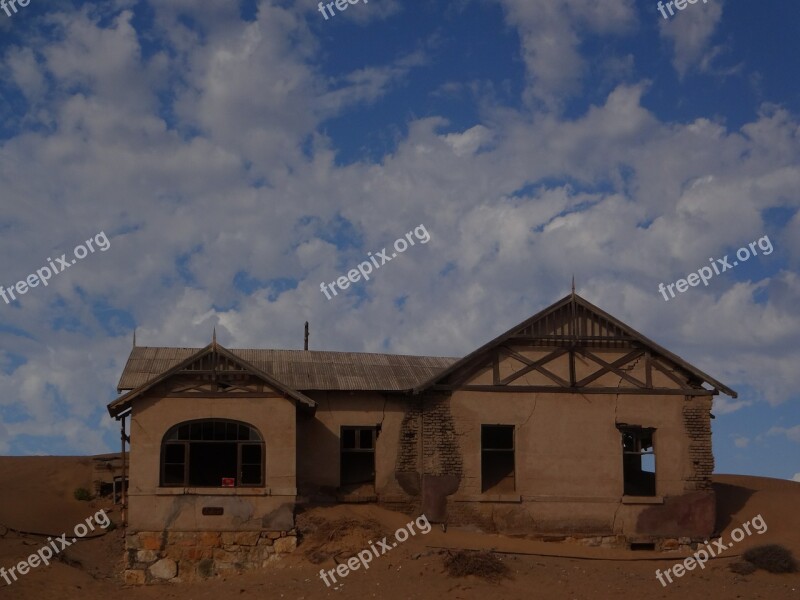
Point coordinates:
[(358, 455), (497, 458), (638, 461), (202, 453)]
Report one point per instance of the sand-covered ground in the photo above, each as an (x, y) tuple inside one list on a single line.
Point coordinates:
[(36, 497)]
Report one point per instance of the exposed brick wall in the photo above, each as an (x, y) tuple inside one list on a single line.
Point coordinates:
[(441, 452), (408, 447), (697, 421), (429, 421), (428, 465)]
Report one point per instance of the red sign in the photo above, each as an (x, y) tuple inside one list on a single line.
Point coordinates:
[(228, 482)]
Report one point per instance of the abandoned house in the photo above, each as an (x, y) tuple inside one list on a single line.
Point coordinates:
[(570, 423)]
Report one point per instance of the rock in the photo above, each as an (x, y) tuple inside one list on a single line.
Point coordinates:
[(210, 538), (285, 545), (164, 569), (146, 556), (228, 538), (150, 541), (669, 544), (132, 542), (247, 538), (226, 557), (134, 577)]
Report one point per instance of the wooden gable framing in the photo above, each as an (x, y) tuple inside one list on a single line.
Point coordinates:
[(212, 372), (573, 346)]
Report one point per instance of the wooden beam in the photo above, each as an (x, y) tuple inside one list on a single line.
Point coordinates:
[(214, 394), (534, 365), (573, 390), (572, 366), (612, 367), (657, 364), (568, 338), (211, 372)]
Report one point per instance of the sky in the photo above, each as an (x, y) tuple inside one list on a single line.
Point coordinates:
[(210, 164)]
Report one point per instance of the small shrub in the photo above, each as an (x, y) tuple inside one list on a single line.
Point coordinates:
[(742, 567), (206, 567), (481, 564), (771, 557), (82, 494)]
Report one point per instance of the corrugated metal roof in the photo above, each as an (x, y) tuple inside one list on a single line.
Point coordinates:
[(301, 369)]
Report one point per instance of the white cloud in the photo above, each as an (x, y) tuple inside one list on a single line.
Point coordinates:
[(469, 141), (549, 33), (796, 477), (741, 441), (690, 32), (724, 406), (227, 186), (791, 433)]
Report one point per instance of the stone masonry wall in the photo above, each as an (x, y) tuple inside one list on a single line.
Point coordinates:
[(157, 556), (697, 421)]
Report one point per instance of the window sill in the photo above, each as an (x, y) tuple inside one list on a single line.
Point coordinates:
[(489, 498), (643, 500), (191, 491)]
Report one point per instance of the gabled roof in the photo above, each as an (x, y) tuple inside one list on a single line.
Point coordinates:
[(302, 370), (562, 316), (121, 404)]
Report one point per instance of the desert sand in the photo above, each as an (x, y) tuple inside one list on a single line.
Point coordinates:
[(36, 501)]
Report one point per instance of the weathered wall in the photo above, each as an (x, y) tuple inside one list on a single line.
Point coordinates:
[(569, 463), (568, 452), (318, 439), (153, 508)]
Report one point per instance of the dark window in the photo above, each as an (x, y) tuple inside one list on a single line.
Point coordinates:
[(638, 461), (203, 453), (497, 458), (358, 455), (174, 464)]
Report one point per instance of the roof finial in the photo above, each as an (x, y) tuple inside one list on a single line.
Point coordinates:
[(214, 337), (134, 337), (573, 285)]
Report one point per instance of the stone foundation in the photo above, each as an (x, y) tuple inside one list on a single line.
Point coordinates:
[(178, 556)]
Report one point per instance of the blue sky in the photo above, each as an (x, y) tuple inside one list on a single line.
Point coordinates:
[(236, 155)]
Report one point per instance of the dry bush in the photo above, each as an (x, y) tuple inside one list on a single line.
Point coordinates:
[(324, 539), (742, 567), (481, 564), (771, 557)]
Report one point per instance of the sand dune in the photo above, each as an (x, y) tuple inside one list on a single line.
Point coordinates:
[(36, 495)]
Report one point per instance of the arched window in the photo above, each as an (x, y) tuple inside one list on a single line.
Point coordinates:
[(212, 453)]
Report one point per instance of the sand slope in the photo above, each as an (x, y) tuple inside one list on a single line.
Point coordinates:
[(36, 496)]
